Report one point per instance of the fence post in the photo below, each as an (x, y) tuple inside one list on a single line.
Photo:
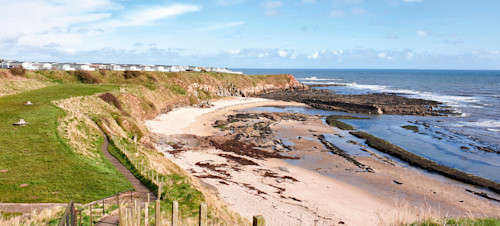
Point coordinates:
[(259, 220), (134, 211), (160, 191), (203, 214), (138, 214), (157, 212), (91, 220), (146, 213), (120, 215), (175, 213), (125, 217), (73, 214)]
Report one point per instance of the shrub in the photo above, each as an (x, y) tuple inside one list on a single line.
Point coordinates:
[(131, 74), (111, 99), (102, 72), (18, 71), (86, 77), (176, 89), (152, 78)]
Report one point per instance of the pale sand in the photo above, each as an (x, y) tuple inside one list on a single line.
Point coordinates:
[(353, 198), (186, 120), (323, 200)]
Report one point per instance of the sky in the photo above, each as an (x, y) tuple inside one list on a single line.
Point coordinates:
[(391, 34)]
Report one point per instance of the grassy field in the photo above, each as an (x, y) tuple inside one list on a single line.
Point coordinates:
[(36, 155)]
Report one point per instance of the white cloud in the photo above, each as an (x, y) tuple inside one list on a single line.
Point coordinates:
[(271, 7), (314, 55), (358, 11), (340, 3), (422, 33), (148, 15), (282, 53), (220, 26), (337, 53), (229, 2), (75, 25), (42, 16), (337, 14), (391, 36), (263, 55), (409, 55), (382, 55), (234, 51), (485, 52)]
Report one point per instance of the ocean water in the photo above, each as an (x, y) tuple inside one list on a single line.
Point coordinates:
[(449, 140)]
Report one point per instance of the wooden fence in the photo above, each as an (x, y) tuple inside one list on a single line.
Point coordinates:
[(136, 214), (69, 216)]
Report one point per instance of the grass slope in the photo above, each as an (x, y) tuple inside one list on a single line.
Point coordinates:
[(36, 155)]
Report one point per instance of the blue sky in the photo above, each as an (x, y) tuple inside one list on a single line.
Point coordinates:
[(417, 34)]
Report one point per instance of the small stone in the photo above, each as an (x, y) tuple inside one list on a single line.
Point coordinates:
[(28, 103), (24, 185), (397, 182), (284, 169), (3, 171)]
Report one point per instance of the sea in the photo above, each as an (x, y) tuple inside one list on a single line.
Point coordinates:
[(454, 141)]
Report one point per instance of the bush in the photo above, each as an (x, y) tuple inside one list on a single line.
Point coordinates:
[(111, 99), (131, 74), (86, 77), (176, 89), (102, 72), (18, 71), (152, 78)]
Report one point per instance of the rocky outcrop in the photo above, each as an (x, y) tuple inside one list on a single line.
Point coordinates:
[(367, 104)]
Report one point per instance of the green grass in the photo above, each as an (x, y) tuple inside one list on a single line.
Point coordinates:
[(36, 155), (460, 222), (7, 216)]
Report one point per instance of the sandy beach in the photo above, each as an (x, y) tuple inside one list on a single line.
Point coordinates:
[(305, 185)]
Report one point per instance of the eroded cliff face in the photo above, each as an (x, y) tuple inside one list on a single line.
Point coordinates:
[(225, 89)]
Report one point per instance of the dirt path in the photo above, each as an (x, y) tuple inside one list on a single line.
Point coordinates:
[(141, 191)]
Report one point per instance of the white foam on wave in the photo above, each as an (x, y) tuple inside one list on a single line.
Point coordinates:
[(318, 79), (323, 83), (454, 101), (485, 123), (493, 130)]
